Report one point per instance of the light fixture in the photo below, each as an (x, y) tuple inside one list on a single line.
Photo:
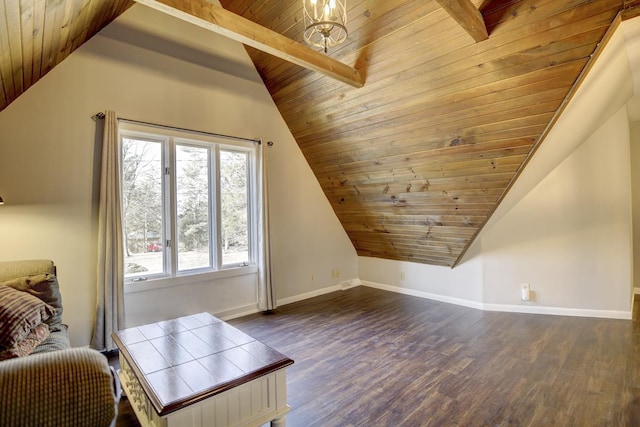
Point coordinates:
[(325, 22), (1, 201)]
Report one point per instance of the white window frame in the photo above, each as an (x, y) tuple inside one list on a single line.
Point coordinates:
[(170, 138)]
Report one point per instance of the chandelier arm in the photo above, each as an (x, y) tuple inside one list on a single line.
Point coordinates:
[(324, 23)]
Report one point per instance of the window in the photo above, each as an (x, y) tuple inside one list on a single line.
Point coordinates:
[(187, 203)]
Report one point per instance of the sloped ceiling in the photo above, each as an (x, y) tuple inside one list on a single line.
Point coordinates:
[(36, 35), (415, 162)]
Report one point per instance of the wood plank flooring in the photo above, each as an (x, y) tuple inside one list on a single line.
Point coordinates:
[(366, 357)]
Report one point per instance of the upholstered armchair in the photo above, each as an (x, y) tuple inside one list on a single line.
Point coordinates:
[(43, 380)]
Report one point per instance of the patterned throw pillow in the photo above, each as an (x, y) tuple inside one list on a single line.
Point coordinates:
[(46, 288), (20, 312), (28, 344)]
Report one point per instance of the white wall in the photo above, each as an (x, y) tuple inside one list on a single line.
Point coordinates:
[(570, 237), (635, 188), (631, 32), (151, 67), (462, 285)]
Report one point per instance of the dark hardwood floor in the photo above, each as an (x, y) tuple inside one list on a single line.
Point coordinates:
[(366, 357)]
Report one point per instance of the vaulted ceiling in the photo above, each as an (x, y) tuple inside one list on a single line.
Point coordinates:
[(415, 161)]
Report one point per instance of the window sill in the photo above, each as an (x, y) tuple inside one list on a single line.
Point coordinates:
[(187, 279)]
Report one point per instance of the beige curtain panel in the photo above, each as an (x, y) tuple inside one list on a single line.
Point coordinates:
[(266, 294), (110, 270)]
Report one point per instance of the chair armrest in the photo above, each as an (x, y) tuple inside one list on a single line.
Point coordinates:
[(69, 387)]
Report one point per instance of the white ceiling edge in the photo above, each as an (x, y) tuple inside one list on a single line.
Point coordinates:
[(607, 87)]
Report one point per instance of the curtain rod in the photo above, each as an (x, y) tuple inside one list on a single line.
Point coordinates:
[(139, 122)]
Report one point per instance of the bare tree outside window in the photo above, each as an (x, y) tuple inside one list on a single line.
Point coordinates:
[(172, 220), (192, 181), (142, 206), (233, 201)]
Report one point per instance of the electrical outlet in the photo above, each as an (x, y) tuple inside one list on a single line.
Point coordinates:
[(525, 291)]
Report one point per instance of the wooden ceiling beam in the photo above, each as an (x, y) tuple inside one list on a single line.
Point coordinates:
[(220, 21), (469, 18)]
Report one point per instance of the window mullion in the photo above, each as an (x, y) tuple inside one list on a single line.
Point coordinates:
[(216, 220), (171, 254)]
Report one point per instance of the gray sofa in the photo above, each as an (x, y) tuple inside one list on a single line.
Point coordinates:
[(54, 385)]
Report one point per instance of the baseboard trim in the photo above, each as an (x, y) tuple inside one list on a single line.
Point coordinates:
[(560, 311), (307, 295), (234, 313), (526, 309), (253, 308), (347, 284), (507, 308), (422, 294)]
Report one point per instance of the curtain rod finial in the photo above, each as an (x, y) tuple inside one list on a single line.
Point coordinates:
[(98, 116), (270, 143)]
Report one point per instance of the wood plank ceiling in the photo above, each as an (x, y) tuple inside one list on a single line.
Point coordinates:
[(415, 162), (36, 35)]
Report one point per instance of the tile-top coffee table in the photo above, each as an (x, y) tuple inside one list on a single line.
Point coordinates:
[(200, 371)]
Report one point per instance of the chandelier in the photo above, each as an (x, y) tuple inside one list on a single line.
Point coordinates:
[(325, 22)]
